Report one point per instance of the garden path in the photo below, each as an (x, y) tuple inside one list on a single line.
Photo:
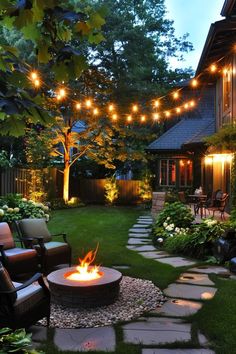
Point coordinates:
[(163, 327)]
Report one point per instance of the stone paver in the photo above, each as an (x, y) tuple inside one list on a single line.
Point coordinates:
[(85, 339), (154, 255), (139, 235), (121, 266), (145, 222), (177, 261), (177, 351), (203, 341), (138, 241), (196, 279), (145, 217), (142, 248), (209, 269), (141, 226), (195, 292), (156, 331), (131, 247), (178, 308), (139, 230)]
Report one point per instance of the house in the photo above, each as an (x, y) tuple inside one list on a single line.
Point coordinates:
[(182, 158)]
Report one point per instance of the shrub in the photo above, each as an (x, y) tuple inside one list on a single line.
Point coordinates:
[(175, 214), (17, 341), (111, 190), (14, 207)]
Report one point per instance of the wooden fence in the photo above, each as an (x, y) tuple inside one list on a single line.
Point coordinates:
[(93, 191), (19, 180)]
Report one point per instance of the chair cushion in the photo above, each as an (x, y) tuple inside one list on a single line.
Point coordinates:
[(27, 298), (20, 255), (55, 247), (6, 283), (6, 236), (35, 228)]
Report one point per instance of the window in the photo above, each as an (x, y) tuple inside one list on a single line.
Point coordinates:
[(185, 172), (167, 172)]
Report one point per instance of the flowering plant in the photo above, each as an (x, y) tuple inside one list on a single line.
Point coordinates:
[(14, 207), (175, 215)]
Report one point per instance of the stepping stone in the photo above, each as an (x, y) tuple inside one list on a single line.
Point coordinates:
[(154, 255), (131, 247), (145, 217), (139, 235), (156, 331), (138, 241), (190, 291), (177, 261), (196, 279), (143, 248), (178, 308), (139, 230), (209, 269), (203, 341), (141, 226), (85, 339), (177, 351), (121, 267), (143, 222)]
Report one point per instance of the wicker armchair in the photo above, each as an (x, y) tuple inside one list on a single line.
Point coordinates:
[(16, 260), (22, 305), (52, 253)]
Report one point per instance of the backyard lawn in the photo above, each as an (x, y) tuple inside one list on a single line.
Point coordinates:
[(108, 226)]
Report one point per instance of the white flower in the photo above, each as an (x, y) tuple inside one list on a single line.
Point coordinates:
[(177, 230), (46, 217), (23, 199), (1, 212), (31, 201), (165, 224), (172, 225), (5, 207), (10, 210), (16, 210), (168, 218), (160, 239), (171, 235), (45, 207)]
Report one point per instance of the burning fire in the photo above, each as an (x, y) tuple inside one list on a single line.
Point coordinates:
[(85, 272)]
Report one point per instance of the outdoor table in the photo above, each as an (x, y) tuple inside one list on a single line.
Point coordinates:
[(199, 199)]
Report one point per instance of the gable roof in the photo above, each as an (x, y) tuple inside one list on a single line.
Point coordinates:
[(229, 8)]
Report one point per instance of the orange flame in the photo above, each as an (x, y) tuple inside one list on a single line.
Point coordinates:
[(84, 271)]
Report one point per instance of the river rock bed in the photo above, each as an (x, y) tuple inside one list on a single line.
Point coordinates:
[(137, 296)]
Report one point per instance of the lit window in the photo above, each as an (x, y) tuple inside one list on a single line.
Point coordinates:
[(227, 83), (185, 172), (167, 172)]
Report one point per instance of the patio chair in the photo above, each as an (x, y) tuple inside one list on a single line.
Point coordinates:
[(52, 253), (17, 261), (219, 205), (22, 305)]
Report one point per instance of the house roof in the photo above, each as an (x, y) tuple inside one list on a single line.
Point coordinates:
[(192, 128), (229, 8)]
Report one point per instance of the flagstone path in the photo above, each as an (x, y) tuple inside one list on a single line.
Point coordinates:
[(164, 326)]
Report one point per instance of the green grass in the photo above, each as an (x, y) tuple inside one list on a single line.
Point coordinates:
[(109, 227)]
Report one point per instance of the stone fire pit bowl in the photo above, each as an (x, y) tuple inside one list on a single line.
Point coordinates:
[(92, 293)]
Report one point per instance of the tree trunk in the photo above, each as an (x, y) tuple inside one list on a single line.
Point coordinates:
[(66, 178)]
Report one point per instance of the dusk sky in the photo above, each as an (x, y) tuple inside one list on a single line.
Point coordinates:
[(194, 17)]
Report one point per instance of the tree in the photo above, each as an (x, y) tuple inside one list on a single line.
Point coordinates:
[(49, 27)]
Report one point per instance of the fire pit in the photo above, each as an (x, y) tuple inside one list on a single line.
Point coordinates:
[(85, 285)]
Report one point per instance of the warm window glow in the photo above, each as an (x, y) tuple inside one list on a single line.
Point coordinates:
[(185, 172), (167, 172), (227, 87), (210, 159)]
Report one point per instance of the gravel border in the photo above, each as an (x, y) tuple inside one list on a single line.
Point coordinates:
[(137, 296)]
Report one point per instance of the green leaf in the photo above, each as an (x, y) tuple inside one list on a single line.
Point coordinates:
[(83, 27), (24, 19), (5, 5), (80, 65), (2, 64), (60, 71), (31, 32), (96, 20), (37, 9), (12, 50), (65, 35), (43, 55), (13, 126), (2, 115), (7, 21), (96, 38)]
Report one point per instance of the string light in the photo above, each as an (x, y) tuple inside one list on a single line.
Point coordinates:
[(61, 94), (111, 108), (178, 110), (95, 111), (156, 116), (156, 103), (78, 106), (213, 68), (129, 118), (114, 116), (167, 114), (34, 75), (88, 103), (175, 95), (192, 103), (36, 82), (143, 119), (186, 106), (194, 83), (135, 108)]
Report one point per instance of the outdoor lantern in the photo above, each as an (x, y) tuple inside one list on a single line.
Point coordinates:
[(225, 246)]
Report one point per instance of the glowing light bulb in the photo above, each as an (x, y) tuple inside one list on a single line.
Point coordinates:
[(167, 113), (178, 110), (78, 105), (34, 75), (114, 116), (129, 118), (135, 108), (156, 103), (186, 106), (176, 95), (62, 92), (111, 108), (36, 83), (156, 116), (192, 103), (95, 111), (194, 83), (88, 103), (143, 119), (213, 68)]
